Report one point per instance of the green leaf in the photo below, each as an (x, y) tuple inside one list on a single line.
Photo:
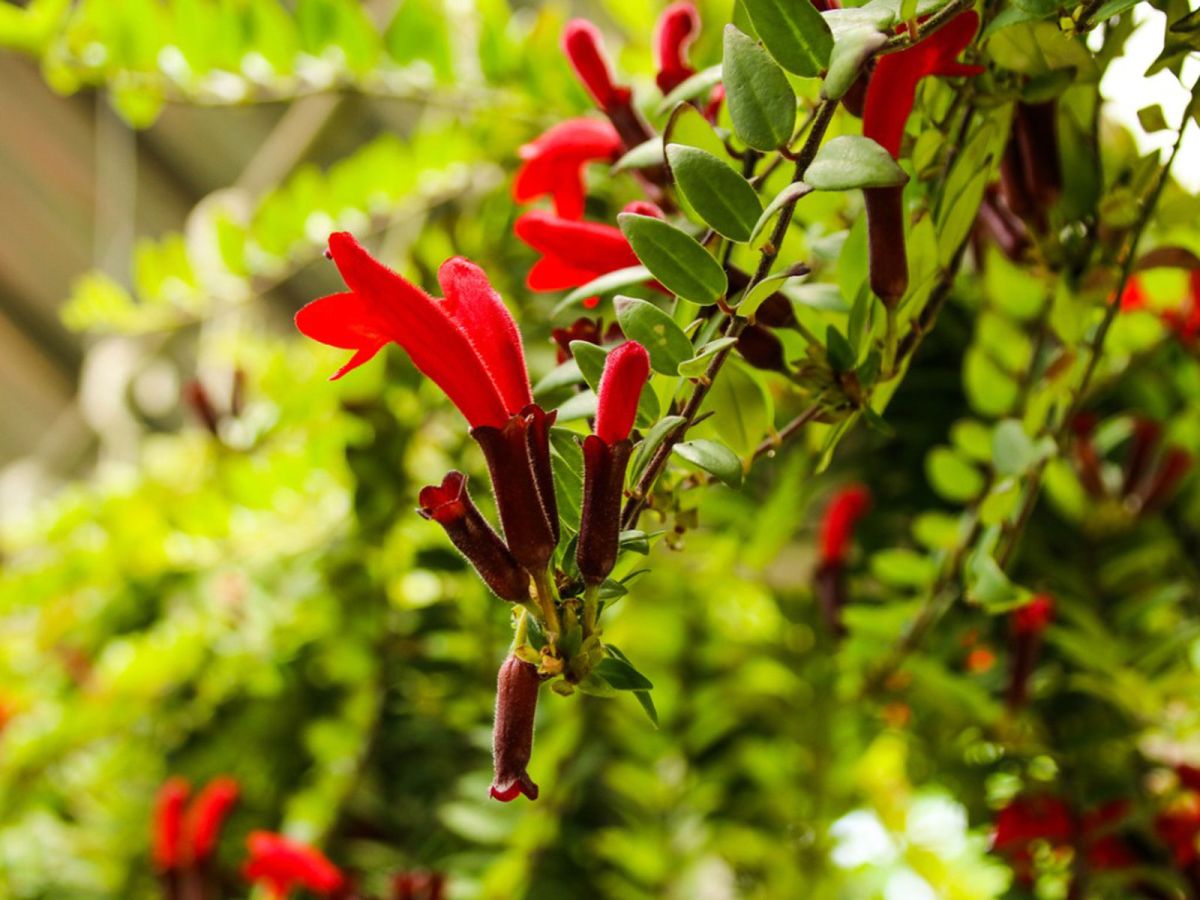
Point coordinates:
[(643, 156), (590, 359), (643, 697), (750, 302), (1151, 118), (852, 161), (714, 458), (790, 194), (653, 440), (841, 355), (988, 586), (665, 341), (621, 675), (951, 476), (697, 86), (853, 48), (695, 367), (761, 102), (794, 33), (719, 195), (608, 283), (675, 258), (1013, 451)]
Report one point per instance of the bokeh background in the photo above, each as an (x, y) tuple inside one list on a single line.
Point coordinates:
[(210, 562)]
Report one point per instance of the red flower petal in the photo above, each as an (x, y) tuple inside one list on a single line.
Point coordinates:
[(207, 815), (584, 47), (474, 304), (284, 865), (587, 246), (893, 85), (674, 32), (554, 163), (847, 507), (1035, 616), (168, 823), (625, 373), (386, 307)]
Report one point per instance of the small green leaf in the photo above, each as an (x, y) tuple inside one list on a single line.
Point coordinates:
[(1012, 449), (608, 283), (988, 586), (1151, 118), (841, 355), (853, 48), (794, 33), (696, 86), (851, 161), (665, 341), (951, 476), (696, 366), (621, 675), (790, 194), (653, 440), (719, 195), (675, 258), (643, 156), (590, 359), (635, 541), (750, 302), (713, 457), (761, 102)]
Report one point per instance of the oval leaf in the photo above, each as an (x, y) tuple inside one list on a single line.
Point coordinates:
[(665, 341), (712, 457), (794, 33), (608, 283), (793, 192), (761, 102), (853, 48), (675, 258), (644, 156), (696, 86), (719, 195), (698, 364), (851, 161)]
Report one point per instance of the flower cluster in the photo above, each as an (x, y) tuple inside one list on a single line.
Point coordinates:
[(1045, 819), (186, 835), (469, 345), (1148, 476)]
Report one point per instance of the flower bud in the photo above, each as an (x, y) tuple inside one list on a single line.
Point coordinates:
[(584, 47), (518, 458), (1029, 622), (1146, 436), (449, 504), (837, 527), (1087, 461), (887, 260), (677, 27), (512, 734), (1174, 466), (600, 518), (762, 349), (829, 586)]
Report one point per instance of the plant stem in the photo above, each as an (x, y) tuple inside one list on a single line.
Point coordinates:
[(591, 603), (545, 595)]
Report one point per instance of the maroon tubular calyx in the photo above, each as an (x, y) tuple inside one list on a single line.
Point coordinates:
[(512, 734), (600, 519)]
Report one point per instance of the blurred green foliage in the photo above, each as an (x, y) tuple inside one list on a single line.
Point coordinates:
[(261, 600)]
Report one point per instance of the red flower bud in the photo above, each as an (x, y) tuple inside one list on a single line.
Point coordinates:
[(1029, 622), (419, 886), (283, 865), (1035, 616), (997, 221), (762, 349), (512, 734), (584, 329), (626, 371), (1171, 470), (605, 458), (518, 458), (674, 32), (449, 504), (1087, 460), (837, 528), (584, 47), (468, 343), (554, 163), (169, 850), (887, 260), (207, 815)]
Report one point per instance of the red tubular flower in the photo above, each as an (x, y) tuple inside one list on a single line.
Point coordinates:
[(518, 458), (283, 865), (468, 344), (674, 32), (1133, 297), (450, 506), (207, 815), (169, 850), (554, 163), (574, 253), (605, 459), (891, 94), (837, 528), (584, 47), (512, 734), (1029, 622)]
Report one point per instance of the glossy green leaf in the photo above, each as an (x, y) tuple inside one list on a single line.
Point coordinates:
[(675, 258), (790, 194), (694, 88), (713, 457), (621, 675), (954, 478), (696, 366), (852, 161), (665, 341), (794, 33), (852, 49), (719, 195), (761, 102)]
